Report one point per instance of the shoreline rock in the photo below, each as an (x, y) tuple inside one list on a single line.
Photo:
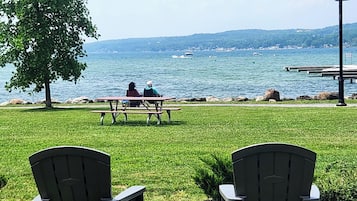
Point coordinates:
[(79, 100), (271, 95)]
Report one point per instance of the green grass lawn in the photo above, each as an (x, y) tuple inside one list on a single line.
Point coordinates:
[(164, 157)]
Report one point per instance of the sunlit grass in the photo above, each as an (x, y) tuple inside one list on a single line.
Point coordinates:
[(164, 157)]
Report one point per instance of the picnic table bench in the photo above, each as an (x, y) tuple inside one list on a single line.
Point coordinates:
[(116, 111), (135, 110)]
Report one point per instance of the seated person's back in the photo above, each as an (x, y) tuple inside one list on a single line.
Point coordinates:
[(132, 92), (150, 91)]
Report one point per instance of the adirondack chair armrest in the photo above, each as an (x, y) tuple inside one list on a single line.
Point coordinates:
[(130, 194), (38, 198), (228, 194), (314, 194)]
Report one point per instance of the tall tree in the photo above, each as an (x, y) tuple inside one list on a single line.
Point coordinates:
[(44, 40)]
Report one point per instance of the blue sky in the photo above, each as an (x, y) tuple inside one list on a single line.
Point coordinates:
[(119, 19)]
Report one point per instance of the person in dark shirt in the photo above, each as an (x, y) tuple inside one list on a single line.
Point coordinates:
[(132, 92)]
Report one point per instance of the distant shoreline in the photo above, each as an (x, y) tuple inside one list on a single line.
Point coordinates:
[(252, 39)]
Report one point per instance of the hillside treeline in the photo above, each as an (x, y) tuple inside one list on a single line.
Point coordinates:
[(238, 39)]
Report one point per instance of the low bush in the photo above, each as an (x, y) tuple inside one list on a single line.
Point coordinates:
[(339, 182), (216, 171)]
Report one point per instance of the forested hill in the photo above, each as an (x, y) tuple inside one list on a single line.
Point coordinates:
[(230, 40)]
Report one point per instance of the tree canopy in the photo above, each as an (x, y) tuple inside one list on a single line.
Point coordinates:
[(44, 40)]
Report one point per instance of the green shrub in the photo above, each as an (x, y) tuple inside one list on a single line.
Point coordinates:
[(339, 182), (215, 172), (3, 181)]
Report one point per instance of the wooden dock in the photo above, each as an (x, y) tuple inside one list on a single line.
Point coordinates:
[(307, 68), (349, 71)]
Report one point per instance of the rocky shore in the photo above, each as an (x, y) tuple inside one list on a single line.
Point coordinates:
[(270, 95)]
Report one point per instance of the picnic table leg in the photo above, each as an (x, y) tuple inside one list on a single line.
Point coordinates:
[(148, 119), (169, 115), (112, 109), (125, 117), (116, 105), (158, 119), (102, 117), (146, 104), (158, 116), (114, 116), (158, 107)]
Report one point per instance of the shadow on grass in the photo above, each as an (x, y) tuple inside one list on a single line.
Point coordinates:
[(3, 181), (138, 123), (56, 109)]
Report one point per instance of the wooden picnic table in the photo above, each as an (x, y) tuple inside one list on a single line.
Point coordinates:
[(116, 108)]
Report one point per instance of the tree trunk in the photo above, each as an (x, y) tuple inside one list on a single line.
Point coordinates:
[(48, 94)]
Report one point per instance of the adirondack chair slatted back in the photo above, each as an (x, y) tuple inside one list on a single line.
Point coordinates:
[(72, 174), (273, 172)]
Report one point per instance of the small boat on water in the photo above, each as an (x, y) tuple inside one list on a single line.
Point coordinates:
[(184, 56), (178, 56), (257, 54), (189, 53)]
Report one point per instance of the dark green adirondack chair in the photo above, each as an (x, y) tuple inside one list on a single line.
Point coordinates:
[(272, 172), (69, 173)]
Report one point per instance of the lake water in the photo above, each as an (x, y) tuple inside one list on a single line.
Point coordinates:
[(207, 73)]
